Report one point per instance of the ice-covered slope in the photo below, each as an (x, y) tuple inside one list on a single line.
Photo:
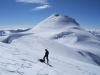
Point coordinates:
[(21, 55)]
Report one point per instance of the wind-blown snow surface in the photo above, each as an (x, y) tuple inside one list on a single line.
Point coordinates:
[(73, 50)]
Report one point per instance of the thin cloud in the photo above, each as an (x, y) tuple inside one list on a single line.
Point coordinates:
[(41, 7), (34, 1)]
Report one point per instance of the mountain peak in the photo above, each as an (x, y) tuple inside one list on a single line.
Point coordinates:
[(57, 21), (65, 18), (55, 14)]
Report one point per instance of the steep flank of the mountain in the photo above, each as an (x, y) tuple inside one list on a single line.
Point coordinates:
[(57, 21)]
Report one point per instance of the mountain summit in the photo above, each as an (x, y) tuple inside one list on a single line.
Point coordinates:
[(57, 21)]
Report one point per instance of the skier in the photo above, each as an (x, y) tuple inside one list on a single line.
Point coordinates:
[(46, 56)]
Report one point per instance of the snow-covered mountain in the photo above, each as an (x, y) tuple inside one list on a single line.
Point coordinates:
[(67, 31), (73, 50)]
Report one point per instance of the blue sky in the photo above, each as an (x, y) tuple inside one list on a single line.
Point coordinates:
[(32, 12)]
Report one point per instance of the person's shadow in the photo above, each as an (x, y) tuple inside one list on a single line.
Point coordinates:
[(50, 65)]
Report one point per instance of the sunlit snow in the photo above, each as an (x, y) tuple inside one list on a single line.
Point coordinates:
[(72, 50)]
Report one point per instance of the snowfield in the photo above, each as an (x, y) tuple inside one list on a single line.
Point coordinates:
[(73, 50), (20, 58)]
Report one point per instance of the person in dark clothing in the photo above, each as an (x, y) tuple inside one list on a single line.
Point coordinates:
[(46, 55)]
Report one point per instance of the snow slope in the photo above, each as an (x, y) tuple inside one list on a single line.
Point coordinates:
[(67, 31), (73, 50), (21, 55)]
